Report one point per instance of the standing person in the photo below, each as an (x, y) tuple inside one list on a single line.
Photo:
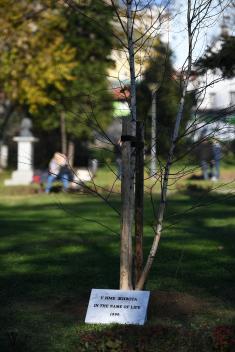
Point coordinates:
[(205, 157), (118, 158), (58, 170), (216, 148)]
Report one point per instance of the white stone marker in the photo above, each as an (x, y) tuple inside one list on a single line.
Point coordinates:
[(117, 306), (24, 173)]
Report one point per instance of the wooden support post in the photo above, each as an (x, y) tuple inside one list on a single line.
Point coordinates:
[(139, 199), (127, 194)]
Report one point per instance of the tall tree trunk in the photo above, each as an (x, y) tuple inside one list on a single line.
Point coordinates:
[(128, 163), (63, 133), (8, 113), (139, 200), (153, 167)]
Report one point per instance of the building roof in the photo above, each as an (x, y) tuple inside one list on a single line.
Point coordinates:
[(121, 93)]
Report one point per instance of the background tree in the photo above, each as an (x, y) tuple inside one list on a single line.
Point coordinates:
[(161, 73), (35, 59), (53, 64), (36, 62), (220, 58), (88, 101)]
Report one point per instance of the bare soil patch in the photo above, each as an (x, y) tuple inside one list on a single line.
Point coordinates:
[(175, 305), (163, 305), (228, 175)]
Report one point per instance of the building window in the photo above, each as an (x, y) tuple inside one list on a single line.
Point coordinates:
[(232, 98)]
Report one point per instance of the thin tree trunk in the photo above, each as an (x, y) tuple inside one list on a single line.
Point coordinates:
[(162, 205), (63, 133), (139, 200), (128, 164), (153, 168), (131, 54), (6, 118), (8, 113)]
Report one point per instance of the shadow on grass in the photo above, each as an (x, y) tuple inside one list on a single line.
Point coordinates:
[(50, 259), (200, 246), (49, 262)]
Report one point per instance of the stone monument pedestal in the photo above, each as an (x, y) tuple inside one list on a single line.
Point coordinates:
[(24, 173)]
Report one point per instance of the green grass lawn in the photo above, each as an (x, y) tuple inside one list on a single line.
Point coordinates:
[(55, 248)]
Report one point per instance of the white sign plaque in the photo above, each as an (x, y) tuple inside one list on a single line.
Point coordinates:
[(117, 306)]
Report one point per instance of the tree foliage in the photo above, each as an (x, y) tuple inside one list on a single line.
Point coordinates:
[(88, 100), (35, 59), (54, 59), (222, 59)]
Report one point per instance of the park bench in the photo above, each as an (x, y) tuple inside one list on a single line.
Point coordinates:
[(79, 177)]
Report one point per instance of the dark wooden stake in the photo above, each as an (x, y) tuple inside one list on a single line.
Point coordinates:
[(139, 199)]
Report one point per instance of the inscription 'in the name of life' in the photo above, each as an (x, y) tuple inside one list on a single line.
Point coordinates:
[(117, 306)]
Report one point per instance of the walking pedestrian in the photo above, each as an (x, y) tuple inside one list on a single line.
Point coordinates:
[(216, 149)]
